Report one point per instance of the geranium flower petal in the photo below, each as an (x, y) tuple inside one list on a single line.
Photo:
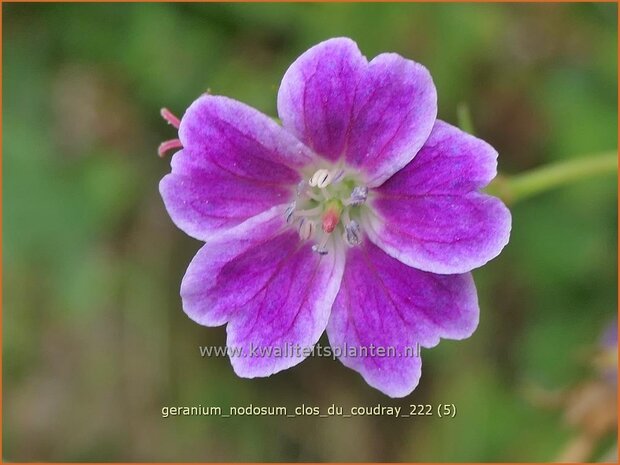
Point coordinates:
[(393, 114), (450, 162), (376, 115), (236, 162), (203, 199), (430, 216), (385, 303), (316, 96), (271, 289)]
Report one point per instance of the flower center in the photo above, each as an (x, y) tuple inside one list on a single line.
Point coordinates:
[(328, 207)]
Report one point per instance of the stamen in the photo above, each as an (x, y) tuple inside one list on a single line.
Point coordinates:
[(352, 235), (168, 116), (321, 248), (302, 187), (288, 214), (314, 196), (320, 179), (346, 219), (338, 176), (310, 212), (321, 207), (323, 178), (306, 229), (303, 190), (316, 248), (358, 196), (168, 145)]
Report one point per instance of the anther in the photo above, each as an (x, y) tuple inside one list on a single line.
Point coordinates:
[(321, 178), (352, 234), (302, 187), (306, 229), (288, 214), (316, 248), (358, 195), (321, 248), (168, 116), (338, 176)]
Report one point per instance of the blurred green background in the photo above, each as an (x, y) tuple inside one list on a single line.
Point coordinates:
[(94, 339)]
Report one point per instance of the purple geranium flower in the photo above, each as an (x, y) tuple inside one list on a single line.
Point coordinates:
[(361, 215)]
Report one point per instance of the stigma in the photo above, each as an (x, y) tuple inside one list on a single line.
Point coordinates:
[(327, 209), (171, 144)]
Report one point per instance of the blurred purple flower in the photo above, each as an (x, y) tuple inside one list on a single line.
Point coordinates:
[(607, 358), (609, 338), (362, 215)]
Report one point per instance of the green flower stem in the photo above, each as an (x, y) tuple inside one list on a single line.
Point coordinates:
[(512, 189)]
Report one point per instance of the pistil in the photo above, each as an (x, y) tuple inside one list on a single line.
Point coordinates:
[(169, 116), (168, 145), (172, 144), (331, 217)]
